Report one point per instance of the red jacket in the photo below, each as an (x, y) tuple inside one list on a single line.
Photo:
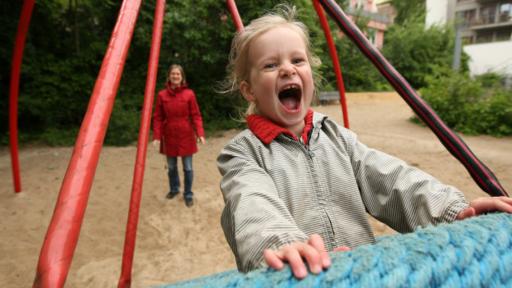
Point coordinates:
[(177, 121)]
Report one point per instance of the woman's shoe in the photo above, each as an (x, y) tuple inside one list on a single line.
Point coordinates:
[(171, 195), (189, 202)]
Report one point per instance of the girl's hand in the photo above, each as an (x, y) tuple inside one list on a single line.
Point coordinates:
[(202, 140), (313, 252), (486, 204), (342, 249)]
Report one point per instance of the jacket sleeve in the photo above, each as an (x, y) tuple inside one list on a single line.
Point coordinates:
[(402, 196), (158, 118), (254, 217), (195, 114)]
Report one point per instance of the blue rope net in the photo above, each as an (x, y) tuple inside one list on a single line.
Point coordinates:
[(476, 252)]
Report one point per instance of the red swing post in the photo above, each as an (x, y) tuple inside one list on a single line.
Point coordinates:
[(138, 174), (17, 57), (64, 229), (239, 25), (335, 60)]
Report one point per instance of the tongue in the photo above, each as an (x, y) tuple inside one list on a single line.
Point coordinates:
[(290, 103)]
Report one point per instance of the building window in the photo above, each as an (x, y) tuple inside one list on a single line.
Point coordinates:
[(468, 17), (371, 35), (505, 12), (503, 35), (488, 14), (358, 4), (484, 37), (466, 40)]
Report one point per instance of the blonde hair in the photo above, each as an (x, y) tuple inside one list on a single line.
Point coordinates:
[(239, 66), (182, 71)]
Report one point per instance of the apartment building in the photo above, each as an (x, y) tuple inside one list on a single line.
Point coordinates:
[(485, 28), (377, 23)]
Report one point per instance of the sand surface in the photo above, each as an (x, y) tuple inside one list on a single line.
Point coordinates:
[(175, 242)]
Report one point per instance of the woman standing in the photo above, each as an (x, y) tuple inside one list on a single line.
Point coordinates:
[(177, 126)]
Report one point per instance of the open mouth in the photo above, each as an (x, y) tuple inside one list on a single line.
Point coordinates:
[(290, 96)]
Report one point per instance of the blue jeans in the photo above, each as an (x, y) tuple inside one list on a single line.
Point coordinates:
[(174, 178)]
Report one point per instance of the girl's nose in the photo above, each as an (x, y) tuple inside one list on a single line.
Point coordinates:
[(287, 69)]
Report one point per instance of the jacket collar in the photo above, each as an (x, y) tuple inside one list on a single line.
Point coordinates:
[(175, 90), (267, 130)]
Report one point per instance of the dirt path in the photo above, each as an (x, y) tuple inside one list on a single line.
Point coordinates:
[(175, 242)]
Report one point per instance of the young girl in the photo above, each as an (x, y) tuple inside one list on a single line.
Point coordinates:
[(295, 183), (177, 123)]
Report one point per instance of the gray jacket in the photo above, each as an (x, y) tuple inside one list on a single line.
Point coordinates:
[(283, 192)]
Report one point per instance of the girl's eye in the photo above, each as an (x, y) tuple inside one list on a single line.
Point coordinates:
[(298, 60), (269, 65)]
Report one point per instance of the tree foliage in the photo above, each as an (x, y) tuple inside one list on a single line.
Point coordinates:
[(471, 106), (67, 41), (409, 9), (415, 50)]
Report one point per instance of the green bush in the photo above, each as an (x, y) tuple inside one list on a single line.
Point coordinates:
[(493, 115), (124, 125), (58, 137), (470, 106)]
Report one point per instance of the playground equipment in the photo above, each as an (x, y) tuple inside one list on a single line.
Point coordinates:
[(17, 57), (62, 236), (476, 252)]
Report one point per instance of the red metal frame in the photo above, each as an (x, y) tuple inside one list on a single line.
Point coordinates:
[(335, 60), (62, 235), (239, 25), (17, 57), (63, 232), (138, 174)]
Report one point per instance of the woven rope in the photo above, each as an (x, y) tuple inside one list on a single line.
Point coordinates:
[(476, 252)]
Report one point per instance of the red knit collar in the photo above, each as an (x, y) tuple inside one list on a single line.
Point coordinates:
[(267, 130)]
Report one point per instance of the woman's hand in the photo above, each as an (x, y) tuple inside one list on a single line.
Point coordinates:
[(202, 140), (313, 252), (486, 204)]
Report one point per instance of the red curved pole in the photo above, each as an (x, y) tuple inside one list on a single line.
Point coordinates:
[(234, 15), (64, 229), (138, 175), (17, 57), (335, 60)]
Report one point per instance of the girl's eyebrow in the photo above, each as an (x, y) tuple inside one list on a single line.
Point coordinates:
[(299, 50), (266, 59)]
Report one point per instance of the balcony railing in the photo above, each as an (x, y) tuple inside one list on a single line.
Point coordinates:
[(487, 1), (479, 24)]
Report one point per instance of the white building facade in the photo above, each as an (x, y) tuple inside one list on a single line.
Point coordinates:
[(485, 28)]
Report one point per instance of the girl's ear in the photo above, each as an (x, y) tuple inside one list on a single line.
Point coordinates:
[(246, 90)]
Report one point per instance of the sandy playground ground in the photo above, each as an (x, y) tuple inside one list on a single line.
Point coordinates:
[(177, 243)]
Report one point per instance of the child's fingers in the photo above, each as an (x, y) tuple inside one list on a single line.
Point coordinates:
[(312, 257), (342, 249), (317, 242), (505, 199), (504, 204), (313, 253), (272, 259), (466, 213), (486, 204), (292, 255)]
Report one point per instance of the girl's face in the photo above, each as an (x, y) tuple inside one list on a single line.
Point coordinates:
[(280, 79), (175, 77)]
